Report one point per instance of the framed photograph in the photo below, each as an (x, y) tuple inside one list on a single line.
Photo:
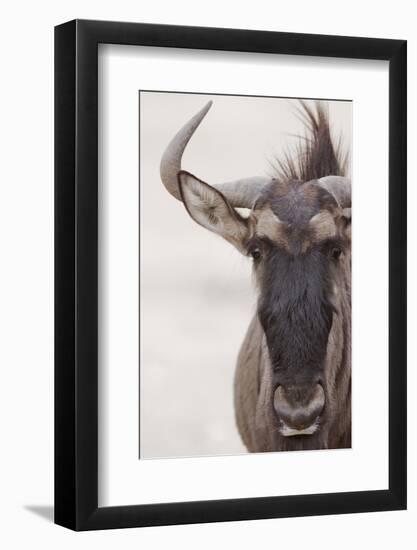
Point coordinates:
[(230, 254)]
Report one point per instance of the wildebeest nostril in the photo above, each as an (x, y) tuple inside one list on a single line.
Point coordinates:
[(298, 408)]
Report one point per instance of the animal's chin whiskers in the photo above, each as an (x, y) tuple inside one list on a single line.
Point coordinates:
[(287, 431)]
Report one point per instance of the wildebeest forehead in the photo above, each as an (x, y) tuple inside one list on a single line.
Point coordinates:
[(295, 203), (294, 238), (295, 216)]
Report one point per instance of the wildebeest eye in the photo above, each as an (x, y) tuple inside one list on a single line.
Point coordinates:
[(256, 253), (335, 253)]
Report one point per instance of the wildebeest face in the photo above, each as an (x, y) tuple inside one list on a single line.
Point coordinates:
[(299, 242), (298, 237)]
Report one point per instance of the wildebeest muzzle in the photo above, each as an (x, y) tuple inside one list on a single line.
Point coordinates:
[(298, 408)]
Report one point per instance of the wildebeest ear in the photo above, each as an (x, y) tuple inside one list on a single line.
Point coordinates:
[(209, 208)]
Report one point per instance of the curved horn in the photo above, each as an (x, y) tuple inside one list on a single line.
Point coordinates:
[(240, 193), (171, 159), (340, 188), (243, 193)]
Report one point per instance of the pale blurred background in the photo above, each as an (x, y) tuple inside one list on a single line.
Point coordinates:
[(197, 296)]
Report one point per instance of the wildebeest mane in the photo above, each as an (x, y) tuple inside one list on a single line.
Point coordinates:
[(316, 156)]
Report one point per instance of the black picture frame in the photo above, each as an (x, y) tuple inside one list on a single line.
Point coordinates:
[(76, 272)]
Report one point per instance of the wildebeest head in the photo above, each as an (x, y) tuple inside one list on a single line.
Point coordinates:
[(298, 235)]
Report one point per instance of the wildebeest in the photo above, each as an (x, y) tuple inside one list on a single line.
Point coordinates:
[(293, 375)]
